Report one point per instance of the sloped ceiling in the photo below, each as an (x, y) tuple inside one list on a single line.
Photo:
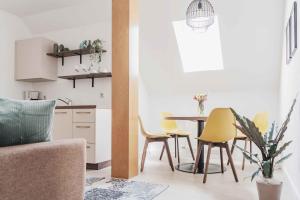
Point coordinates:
[(30, 7), (251, 37), (43, 16)]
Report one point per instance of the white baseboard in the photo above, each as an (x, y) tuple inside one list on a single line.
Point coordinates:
[(294, 189)]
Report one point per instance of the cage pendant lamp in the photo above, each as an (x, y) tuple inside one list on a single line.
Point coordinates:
[(200, 15)]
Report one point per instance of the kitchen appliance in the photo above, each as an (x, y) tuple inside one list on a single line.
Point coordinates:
[(32, 95)]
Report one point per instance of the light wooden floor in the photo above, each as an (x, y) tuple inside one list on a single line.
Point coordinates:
[(189, 186)]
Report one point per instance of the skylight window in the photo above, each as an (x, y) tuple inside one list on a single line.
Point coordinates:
[(199, 51)]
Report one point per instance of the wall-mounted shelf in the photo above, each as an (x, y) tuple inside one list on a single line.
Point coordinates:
[(91, 76), (76, 52)]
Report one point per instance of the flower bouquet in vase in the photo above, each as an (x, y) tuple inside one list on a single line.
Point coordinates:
[(201, 98)]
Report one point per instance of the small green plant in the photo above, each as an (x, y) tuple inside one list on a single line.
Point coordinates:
[(269, 144), (96, 50)]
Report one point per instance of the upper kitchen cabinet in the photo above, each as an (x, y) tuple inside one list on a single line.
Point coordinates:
[(31, 61)]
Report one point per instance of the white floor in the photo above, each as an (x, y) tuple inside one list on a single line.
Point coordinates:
[(189, 186)]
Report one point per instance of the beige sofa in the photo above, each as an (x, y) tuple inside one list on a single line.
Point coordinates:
[(43, 171)]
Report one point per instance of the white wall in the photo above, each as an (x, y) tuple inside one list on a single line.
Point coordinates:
[(247, 103), (144, 109), (290, 87), (12, 28), (83, 93)]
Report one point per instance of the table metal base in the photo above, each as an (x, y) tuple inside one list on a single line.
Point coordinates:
[(189, 168)]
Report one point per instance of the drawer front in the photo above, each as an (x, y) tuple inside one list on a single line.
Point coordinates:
[(90, 153), (84, 115), (85, 131), (62, 126)]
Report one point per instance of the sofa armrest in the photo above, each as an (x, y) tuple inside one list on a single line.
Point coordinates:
[(50, 171)]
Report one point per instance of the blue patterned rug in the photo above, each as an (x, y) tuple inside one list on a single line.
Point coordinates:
[(118, 189)]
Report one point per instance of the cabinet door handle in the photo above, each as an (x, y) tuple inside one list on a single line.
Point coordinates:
[(83, 127), (83, 112), (88, 147), (60, 112)]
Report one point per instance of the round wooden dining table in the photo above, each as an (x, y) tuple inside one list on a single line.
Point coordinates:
[(188, 167)]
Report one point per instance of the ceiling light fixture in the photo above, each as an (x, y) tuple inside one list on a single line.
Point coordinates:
[(200, 15)]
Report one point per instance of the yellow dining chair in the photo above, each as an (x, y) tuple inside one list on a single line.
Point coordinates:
[(219, 129), (261, 121), (170, 128), (151, 137)]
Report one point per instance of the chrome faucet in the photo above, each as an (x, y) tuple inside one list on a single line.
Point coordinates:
[(67, 101)]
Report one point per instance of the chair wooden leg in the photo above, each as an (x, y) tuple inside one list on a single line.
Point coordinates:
[(178, 157), (199, 149), (190, 145), (169, 155), (245, 148), (251, 151), (221, 156), (144, 155), (232, 148), (175, 141), (162, 152), (207, 163), (231, 162)]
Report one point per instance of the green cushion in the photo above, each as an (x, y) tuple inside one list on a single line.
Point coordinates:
[(25, 122)]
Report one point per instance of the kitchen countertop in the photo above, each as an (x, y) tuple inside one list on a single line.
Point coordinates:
[(76, 107)]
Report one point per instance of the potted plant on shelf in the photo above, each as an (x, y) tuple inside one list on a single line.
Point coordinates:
[(96, 50), (271, 146), (96, 55)]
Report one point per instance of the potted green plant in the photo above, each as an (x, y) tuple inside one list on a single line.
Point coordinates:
[(96, 50), (271, 146)]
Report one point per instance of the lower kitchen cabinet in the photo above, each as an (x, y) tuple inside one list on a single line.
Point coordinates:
[(93, 125)]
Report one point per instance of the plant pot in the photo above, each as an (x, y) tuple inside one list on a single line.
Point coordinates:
[(269, 189)]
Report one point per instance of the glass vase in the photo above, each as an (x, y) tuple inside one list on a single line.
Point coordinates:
[(201, 108)]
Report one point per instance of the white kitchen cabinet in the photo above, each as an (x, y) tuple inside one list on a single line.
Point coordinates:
[(31, 61), (63, 124), (86, 131), (91, 124), (84, 115)]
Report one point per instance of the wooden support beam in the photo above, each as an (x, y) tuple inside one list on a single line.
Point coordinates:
[(124, 88)]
